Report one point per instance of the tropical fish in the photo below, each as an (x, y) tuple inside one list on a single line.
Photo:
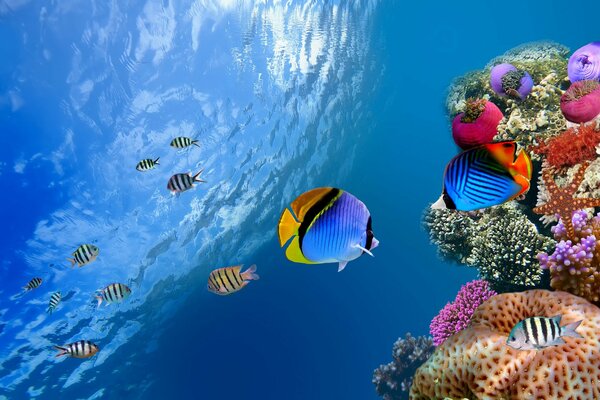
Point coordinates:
[(33, 284), (147, 164), (54, 300), (329, 225), (535, 333), (229, 280), (485, 176), (85, 254), (181, 182), (113, 293), (183, 142), (80, 349)]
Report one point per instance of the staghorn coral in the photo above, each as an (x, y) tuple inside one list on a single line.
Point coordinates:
[(450, 231), (392, 381), (504, 249), (476, 363), (571, 147), (456, 316), (575, 265)]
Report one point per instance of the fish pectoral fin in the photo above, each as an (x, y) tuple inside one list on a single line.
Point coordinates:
[(559, 341), (342, 265), (358, 246)]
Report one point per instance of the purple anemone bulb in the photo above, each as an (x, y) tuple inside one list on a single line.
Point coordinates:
[(477, 125), (581, 102), (584, 64), (507, 80)]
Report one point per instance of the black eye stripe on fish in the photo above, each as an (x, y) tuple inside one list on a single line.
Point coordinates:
[(322, 204)]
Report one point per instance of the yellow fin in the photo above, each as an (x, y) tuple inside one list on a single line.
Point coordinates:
[(287, 227), (293, 252), (306, 200)]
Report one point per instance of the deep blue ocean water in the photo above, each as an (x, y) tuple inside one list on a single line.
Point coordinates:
[(283, 97)]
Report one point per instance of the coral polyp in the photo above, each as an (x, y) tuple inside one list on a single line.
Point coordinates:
[(581, 102), (507, 80), (477, 125)]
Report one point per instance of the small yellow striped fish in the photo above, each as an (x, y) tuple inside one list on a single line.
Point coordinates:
[(229, 280), (54, 300), (80, 349), (113, 293), (85, 254), (147, 164), (33, 284), (183, 142)]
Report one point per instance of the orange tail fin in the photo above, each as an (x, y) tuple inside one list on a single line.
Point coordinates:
[(287, 227), (249, 274)]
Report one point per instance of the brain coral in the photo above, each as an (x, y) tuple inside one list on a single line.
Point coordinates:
[(476, 363)]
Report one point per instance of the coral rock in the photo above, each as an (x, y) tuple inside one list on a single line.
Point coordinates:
[(476, 363), (477, 125)]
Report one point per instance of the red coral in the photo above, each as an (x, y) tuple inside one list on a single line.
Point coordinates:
[(571, 147)]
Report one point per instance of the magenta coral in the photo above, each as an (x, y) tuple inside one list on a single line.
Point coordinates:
[(477, 125), (456, 316)]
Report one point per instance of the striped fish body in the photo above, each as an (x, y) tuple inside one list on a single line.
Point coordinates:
[(54, 300), (485, 176), (228, 280), (113, 293), (329, 225), (147, 164), (85, 254), (179, 183), (80, 349), (33, 284), (536, 333), (183, 142)]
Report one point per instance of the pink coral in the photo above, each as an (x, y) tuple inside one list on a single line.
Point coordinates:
[(581, 102), (455, 316), (477, 125)]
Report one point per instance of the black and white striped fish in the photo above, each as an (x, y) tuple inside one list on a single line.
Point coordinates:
[(183, 142), (33, 284), (80, 349), (113, 293), (85, 254), (229, 280), (535, 333), (181, 182), (54, 300), (147, 164)]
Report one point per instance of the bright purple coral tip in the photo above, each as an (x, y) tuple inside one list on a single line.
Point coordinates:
[(456, 316), (507, 80), (584, 63)]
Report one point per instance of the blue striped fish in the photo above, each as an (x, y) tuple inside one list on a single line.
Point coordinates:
[(80, 349), (329, 225), (54, 300), (113, 293), (535, 333), (485, 176)]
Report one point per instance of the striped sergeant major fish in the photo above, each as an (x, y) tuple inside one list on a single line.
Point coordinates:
[(80, 349), (113, 293), (181, 182), (54, 300), (183, 142), (229, 280), (85, 254), (536, 333), (33, 284), (147, 164)]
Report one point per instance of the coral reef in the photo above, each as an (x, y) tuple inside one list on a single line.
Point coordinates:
[(392, 381), (476, 363), (456, 316), (581, 102), (571, 147), (575, 265), (584, 63), (450, 231), (507, 80), (477, 125)]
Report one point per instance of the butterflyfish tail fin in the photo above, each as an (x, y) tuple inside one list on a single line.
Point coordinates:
[(342, 265), (156, 161), (358, 246), (196, 178), (62, 351), (72, 261), (569, 330), (250, 274), (287, 227)]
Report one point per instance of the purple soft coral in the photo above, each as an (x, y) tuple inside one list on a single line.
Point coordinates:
[(456, 316), (507, 80), (584, 64)]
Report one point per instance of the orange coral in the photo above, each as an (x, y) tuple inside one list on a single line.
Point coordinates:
[(476, 363), (570, 147)]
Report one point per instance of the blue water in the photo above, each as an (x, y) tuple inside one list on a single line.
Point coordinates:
[(283, 98)]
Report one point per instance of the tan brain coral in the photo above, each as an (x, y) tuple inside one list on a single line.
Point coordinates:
[(476, 363)]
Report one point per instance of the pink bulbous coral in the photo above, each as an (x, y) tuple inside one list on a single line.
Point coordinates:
[(476, 363), (581, 102), (456, 316), (477, 125)]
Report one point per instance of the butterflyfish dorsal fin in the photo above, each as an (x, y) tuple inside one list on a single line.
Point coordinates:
[(522, 165), (503, 152), (287, 227), (307, 200), (294, 253)]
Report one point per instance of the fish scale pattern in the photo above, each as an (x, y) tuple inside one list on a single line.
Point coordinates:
[(476, 363)]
